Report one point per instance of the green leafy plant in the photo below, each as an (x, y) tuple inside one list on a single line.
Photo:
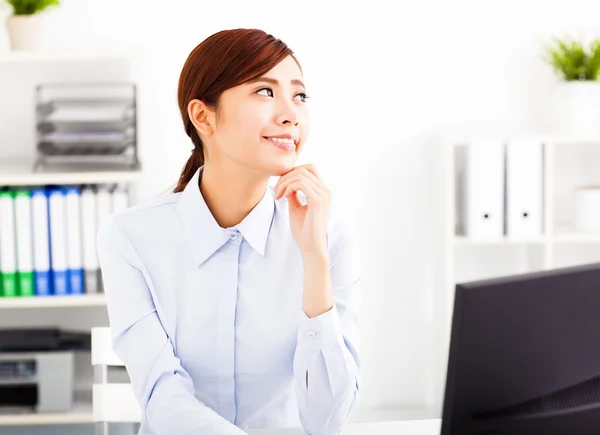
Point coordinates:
[(30, 7), (572, 60)]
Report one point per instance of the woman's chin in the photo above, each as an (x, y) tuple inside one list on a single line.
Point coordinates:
[(282, 167)]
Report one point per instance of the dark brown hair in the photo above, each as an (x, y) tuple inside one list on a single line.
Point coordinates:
[(222, 61)]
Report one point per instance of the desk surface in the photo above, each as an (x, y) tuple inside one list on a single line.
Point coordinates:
[(412, 427)]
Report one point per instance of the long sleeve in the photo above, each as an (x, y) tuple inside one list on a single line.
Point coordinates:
[(163, 388), (326, 362)]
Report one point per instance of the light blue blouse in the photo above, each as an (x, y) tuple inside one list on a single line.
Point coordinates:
[(209, 321)]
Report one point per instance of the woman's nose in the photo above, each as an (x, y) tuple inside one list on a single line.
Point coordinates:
[(287, 114)]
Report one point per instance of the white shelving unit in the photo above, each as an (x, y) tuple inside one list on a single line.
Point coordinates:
[(505, 255), (21, 173), (80, 413), (548, 243), (91, 65), (98, 300)]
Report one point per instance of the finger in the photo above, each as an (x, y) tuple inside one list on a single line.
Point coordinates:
[(315, 179), (312, 196), (294, 202), (309, 167), (317, 183), (283, 179), (280, 188), (316, 176), (312, 169), (301, 177)]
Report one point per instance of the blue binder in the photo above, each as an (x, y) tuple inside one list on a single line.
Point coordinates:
[(41, 242), (74, 239), (58, 241)]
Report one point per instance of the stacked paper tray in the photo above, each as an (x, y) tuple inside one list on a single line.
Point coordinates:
[(87, 123)]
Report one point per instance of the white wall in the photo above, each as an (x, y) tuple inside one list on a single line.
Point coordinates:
[(386, 78)]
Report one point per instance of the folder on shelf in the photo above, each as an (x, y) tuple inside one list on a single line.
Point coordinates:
[(8, 255), (74, 240), (24, 239), (104, 209), (89, 228), (524, 189), (120, 199), (103, 202), (41, 242), (484, 190), (58, 242)]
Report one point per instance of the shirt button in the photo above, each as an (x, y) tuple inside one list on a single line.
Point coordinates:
[(311, 334)]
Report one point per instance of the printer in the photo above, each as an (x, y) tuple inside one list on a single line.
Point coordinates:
[(37, 368)]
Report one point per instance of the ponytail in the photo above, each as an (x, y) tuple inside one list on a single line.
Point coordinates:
[(195, 161)]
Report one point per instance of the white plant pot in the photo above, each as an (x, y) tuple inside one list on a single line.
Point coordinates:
[(577, 105), (25, 32)]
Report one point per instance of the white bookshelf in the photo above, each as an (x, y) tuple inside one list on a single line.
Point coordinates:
[(576, 238), (71, 312), (71, 301), (554, 236), (465, 241), (80, 413), (22, 173), (505, 256)]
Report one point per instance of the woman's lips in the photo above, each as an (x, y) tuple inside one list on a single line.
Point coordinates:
[(285, 145)]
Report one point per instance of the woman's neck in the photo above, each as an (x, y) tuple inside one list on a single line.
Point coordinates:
[(231, 192)]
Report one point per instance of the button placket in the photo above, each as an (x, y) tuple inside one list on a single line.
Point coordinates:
[(234, 234)]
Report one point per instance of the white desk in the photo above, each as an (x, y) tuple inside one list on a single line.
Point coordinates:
[(412, 427)]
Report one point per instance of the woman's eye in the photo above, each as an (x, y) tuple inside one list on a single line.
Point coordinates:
[(268, 90), (303, 97)]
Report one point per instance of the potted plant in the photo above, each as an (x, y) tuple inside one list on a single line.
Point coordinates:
[(26, 23), (577, 66)]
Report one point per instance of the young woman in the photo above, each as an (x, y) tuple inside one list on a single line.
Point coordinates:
[(233, 304)]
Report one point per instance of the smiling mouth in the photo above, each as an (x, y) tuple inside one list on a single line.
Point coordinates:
[(281, 143)]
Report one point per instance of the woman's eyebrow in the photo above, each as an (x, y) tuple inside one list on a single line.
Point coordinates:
[(275, 82)]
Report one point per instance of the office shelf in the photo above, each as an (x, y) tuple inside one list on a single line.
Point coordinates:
[(561, 244), (465, 241), (576, 238), (98, 300), (557, 238), (21, 173), (556, 140), (80, 413)]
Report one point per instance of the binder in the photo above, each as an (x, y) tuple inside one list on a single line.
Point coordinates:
[(120, 199), (103, 203), (74, 240), (104, 209), (41, 242), (524, 189), (24, 238), (58, 242), (484, 177), (89, 228), (8, 255)]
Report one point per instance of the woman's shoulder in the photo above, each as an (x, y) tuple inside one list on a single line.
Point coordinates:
[(151, 216)]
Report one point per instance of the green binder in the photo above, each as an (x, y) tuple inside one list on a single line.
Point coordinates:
[(24, 243), (8, 260)]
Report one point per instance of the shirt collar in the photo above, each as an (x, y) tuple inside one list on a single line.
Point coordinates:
[(205, 234)]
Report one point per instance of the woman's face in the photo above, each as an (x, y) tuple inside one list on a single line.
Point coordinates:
[(263, 125)]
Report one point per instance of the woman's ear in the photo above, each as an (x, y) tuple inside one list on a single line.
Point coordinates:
[(202, 117)]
